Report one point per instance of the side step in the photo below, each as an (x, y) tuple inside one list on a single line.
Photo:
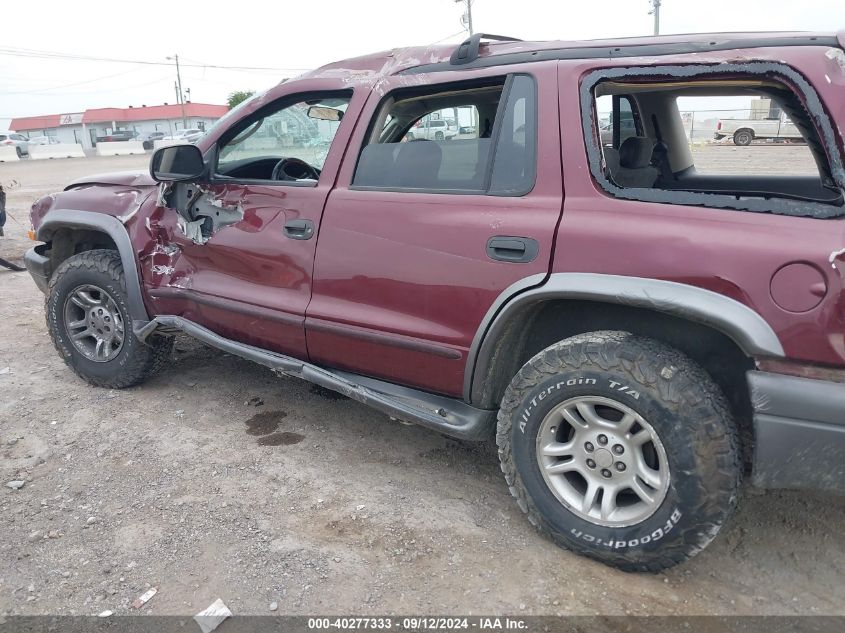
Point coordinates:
[(447, 415)]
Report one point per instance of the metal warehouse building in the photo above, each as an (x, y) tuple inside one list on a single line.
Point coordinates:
[(85, 127)]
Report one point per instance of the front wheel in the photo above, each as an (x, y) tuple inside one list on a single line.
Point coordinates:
[(88, 319), (620, 448)]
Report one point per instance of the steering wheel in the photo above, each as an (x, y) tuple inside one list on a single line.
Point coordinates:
[(294, 169)]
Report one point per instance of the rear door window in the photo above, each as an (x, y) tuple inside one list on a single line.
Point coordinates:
[(514, 165), (747, 141), (471, 138)]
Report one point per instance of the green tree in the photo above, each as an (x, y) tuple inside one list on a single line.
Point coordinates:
[(238, 96)]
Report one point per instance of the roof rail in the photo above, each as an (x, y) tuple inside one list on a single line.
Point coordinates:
[(467, 50)]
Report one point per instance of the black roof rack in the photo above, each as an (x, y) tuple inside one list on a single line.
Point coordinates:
[(467, 50), (467, 53)]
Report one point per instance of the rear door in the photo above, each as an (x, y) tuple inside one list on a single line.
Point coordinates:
[(420, 237)]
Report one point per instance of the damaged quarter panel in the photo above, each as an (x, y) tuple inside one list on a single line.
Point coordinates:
[(740, 254)]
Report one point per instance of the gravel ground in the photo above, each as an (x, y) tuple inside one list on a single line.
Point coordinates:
[(309, 500)]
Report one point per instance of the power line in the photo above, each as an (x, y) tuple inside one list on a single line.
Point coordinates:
[(448, 37), (38, 54), (103, 90), (78, 83)]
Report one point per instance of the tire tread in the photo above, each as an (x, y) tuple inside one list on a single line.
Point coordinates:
[(148, 358), (646, 361)]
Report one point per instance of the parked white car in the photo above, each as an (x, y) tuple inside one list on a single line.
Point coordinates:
[(437, 129), (191, 135), (43, 140), (20, 142)]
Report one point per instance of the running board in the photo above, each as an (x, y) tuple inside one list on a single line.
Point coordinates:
[(447, 415)]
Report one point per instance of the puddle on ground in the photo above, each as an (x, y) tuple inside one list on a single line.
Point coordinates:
[(265, 422), (280, 439)]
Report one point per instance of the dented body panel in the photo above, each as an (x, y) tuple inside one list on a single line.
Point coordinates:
[(399, 286), (242, 276)]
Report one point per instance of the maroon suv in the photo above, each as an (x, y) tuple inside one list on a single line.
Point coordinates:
[(637, 332)]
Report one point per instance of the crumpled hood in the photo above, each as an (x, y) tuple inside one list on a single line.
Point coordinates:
[(119, 178)]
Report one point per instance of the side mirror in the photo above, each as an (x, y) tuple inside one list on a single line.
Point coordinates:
[(177, 163)]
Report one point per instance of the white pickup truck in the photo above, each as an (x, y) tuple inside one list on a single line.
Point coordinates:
[(744, 131)]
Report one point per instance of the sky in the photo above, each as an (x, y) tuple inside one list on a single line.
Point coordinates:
[(251, 45)]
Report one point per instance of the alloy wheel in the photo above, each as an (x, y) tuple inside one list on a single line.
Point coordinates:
[(603, 461), (93, 323)]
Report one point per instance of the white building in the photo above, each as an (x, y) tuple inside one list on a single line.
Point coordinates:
[(85, 127)]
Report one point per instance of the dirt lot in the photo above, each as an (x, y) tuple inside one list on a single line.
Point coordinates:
[(174, 485)]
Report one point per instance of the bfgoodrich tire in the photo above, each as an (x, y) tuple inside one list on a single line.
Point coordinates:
[(89, 322), (620, 448)]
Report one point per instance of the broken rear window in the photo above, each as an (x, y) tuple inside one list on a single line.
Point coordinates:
[(745, 140)]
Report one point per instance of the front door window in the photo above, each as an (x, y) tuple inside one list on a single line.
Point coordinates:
[(301, 132)]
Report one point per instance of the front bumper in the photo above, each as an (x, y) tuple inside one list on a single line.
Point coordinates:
[(799, 429), (39, 266)]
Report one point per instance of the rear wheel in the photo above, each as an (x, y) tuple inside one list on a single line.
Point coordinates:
[(743, 137), (88, 319), (19, 152), (620, 448), (438, 136)]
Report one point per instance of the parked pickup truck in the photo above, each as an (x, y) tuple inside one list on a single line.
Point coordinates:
[(600, 310), (118, 135), (744, 131)]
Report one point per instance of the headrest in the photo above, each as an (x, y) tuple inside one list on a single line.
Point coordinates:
[(635, 152), (418, 164), (420, 154)]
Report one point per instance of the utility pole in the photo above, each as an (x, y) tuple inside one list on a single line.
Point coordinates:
[(179, 91), (655, 11), (468, 26), (467, 15)]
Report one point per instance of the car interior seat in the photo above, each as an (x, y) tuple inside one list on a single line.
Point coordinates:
[(418, 164), (630, 166)]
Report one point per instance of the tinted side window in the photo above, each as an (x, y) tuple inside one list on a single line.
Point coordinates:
[(515, 161), (458, 157)]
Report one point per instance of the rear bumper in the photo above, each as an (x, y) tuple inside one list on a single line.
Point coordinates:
[(799, 428), (38, 266)]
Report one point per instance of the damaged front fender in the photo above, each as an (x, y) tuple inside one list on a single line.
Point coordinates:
[(58, 219), (202, 210)]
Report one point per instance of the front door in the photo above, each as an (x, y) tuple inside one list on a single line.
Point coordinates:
[(421, 235), (236, 253)]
